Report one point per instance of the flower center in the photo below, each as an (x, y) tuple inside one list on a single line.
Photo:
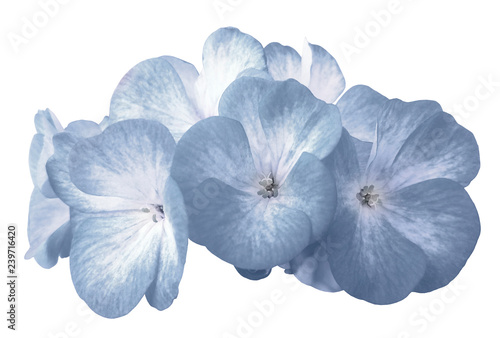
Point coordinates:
[(270, 188), (366, 196), (157, 212)]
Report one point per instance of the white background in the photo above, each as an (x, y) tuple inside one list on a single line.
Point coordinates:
[(439, 50)]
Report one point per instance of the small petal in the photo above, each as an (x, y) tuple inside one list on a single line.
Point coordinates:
[(226, 53), (83, 128), (153, 90), (47, 229), (321, 73), (294, 121), (41, 150), (438, 216), (312, 268), (283, 62), (359, 107), (254, 274), (46, 123)]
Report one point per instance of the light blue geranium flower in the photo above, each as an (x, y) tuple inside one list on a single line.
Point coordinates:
[(49, 230), (129, 222), (404, 221), (172, 92), (316, 69), (256, 191)]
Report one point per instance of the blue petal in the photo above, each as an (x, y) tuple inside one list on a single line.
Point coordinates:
[(173, 249), (60, 180), (115, 260), (130, 159), (370, 260), (254, 274), (395, 123), (83, 128), (312, 268), (316, 69), (321, 73), (294, 121), (187, 73), (41, 150), (311, 189), (439, 148), (153, 90), (358, 108), (226, 53), (283, 62), (48, 233), (438, 216), (216, 147), (46, 123), (241, 102), (247, 230), (363, 151)]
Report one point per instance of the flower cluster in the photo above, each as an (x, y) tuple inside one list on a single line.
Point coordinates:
[(261, 159)]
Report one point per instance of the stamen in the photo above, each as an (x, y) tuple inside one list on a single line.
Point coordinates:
[(270, 188), (367, 197)]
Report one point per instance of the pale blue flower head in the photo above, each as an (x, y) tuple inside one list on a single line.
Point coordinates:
[(404, 221), (172, 91), (128, 218), (49, 230), (253, 183)]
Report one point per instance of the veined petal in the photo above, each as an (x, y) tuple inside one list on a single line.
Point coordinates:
[(249, 231), (60, 180), (283, 62), (438, 148), (312, 268), (83, 128), (395, 123), (216, 147), (294, 121), (114, 260), (311, 189), (359, 107), (46, 123), (47, 217), (321, 73), (316, 69), (173, 249), (153, 90), (438, 216), (241, 102), (370, 260), (131, 159), (187, 73), (226, 53), (41, 150)]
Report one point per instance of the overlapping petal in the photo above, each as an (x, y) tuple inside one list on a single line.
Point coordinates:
[(154, 90), (359, 107), (49, 233), (129, 159), (316, 69), (439, 216)]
